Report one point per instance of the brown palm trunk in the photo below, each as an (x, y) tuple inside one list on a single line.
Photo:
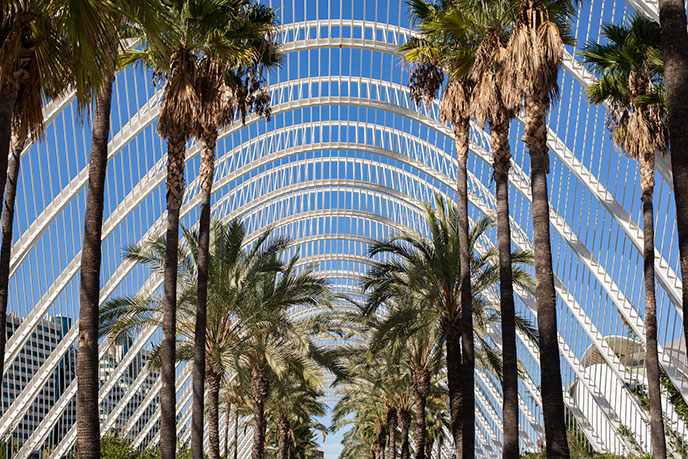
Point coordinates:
[(454, 386), (87, 407), (260, 388), (428, 448), (175, 190), (439, 448), (672, 17), (502, 164), (283, 438), (5, 251), (206, 174), (380, 440), (405, 426), (651, 356), (236, 433), (392, 430), (462, 131), (421, 390), (8, 97), (213, 415), (545, 297)]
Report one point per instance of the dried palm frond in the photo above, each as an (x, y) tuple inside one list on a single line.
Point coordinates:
[(179, 107), (456, 102)]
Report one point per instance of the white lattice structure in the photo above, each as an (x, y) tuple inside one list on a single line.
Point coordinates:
[(346, 159)]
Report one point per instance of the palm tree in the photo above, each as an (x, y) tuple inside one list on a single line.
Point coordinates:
[(438, 424), (202, 32), (76, 33), (490, 23), (411, 321), (227, 82), (272, 343), (28, 30), (405, 332), (630, 69), (442, 47), (428, 266), (534, 54), (375, 392), (47, 47), (230, 268), (304, 439), (292, 403), (233, 393), (672, 17)]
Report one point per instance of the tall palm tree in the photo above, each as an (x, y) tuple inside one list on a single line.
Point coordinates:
[(411, 321), (39, 40), (443, 47), (374, 392), (47, 46), (202, 30), (534, 54), (490, 23), (226, 83), (629, 69), (672, 17)]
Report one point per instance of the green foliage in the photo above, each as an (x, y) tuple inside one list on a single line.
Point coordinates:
[(675, 397), (112, 446)]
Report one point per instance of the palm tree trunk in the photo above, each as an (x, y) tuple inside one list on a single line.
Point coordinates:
[(392, 429), (379, 446), (226, 446), (545, 297), (5, 251), (7, 99), (502, 164), (88, 413), (651, 356), (236, 433), (454, 386), (213, 416), (260, 388), (283, 438), (8, 96), (420, 387), (439, 447), (462, 132), (405, 426), (672, 17), (428, 448), (175, 190), (206, 173)]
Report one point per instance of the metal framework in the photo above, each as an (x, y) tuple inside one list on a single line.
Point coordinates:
[(346, 159)]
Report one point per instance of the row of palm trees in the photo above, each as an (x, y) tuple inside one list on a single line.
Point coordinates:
[(501, 60), (258, 358), (408, 327), (210, 55)]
